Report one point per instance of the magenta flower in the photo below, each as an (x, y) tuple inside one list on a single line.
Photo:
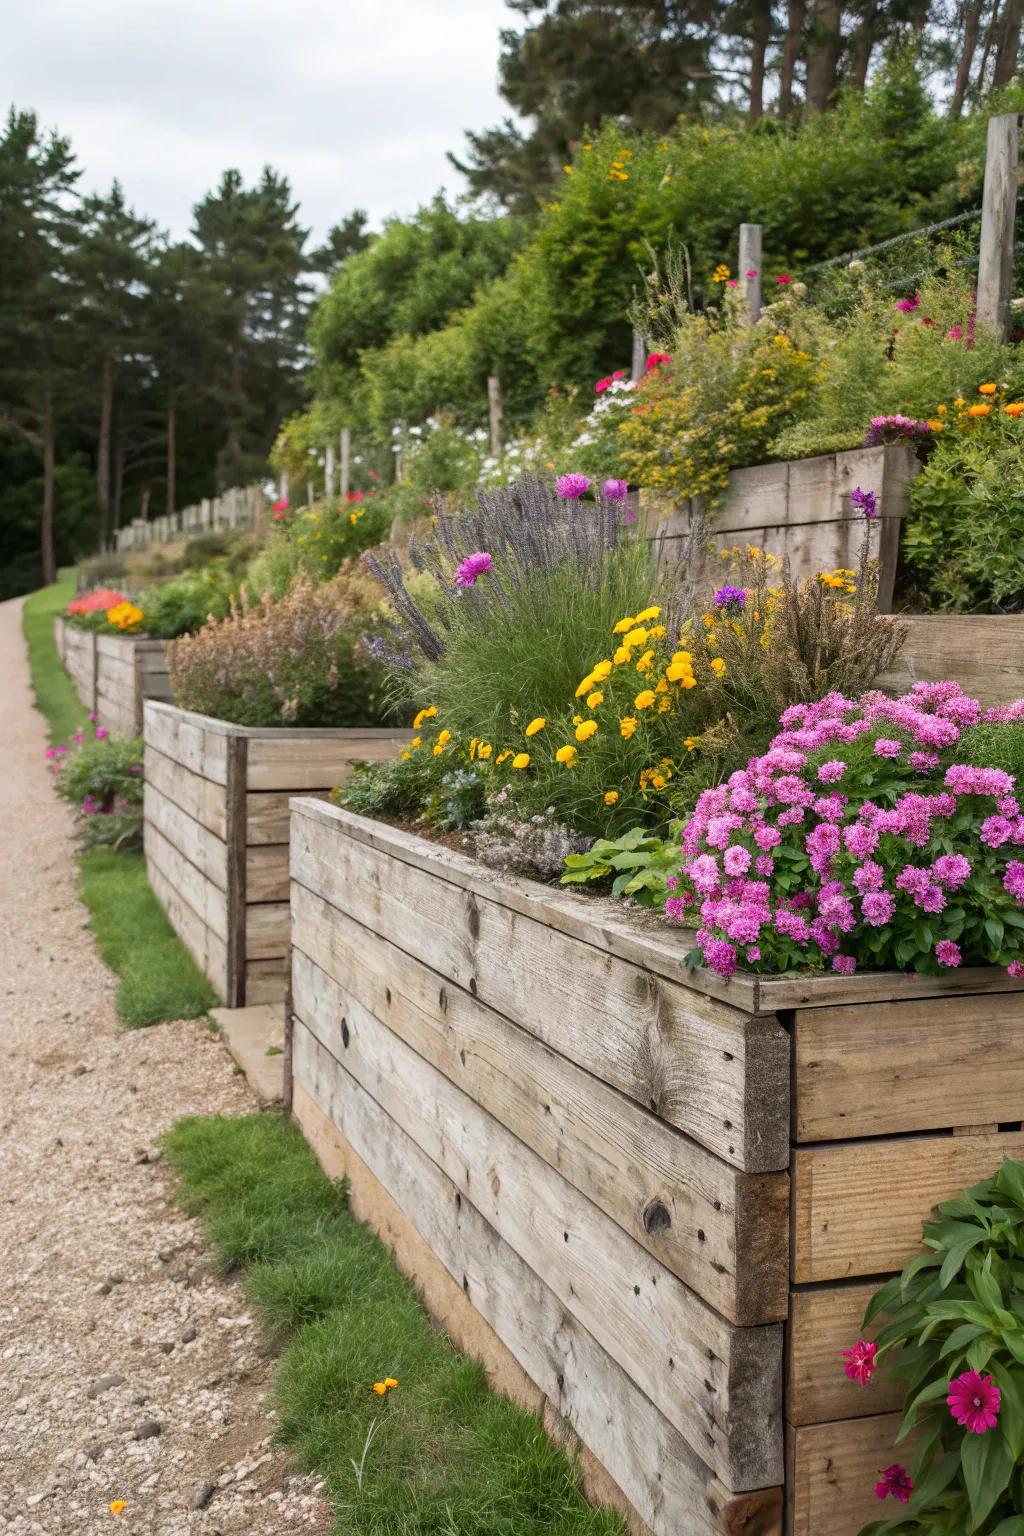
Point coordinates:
[(947, 953), (865, 502), (572, 487), (783, 278), (731, 599), (885, 746), (955, 333), (907, 306), (655, 360), (602, 385), (101, 733), (974, 1402), (1015, 969), (750, 272), (473, 567), (615, 490), (896, 1480), (861, 1361), (844, 964)]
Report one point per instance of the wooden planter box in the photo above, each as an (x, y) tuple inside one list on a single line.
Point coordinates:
[(589, 1160), (983, 652), (799, 510), (216, 834), (114, 674)]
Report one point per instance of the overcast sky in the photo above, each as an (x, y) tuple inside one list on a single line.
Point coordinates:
[(356, 101)]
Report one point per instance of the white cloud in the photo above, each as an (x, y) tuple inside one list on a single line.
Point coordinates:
[(356, 101)]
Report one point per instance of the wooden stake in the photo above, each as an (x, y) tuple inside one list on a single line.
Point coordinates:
[(750, 261), (494, 404), (329, 471), (346, 461), (309, 493), (636, 371), (998, 215)]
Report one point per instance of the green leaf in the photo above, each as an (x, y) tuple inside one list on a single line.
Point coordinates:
[(960, 1338), (984, 1286), (1011, 1407), (929, 1394), (954, 1260), (987, 1463), (994, 930), (980, 1353), (1014, 1526)]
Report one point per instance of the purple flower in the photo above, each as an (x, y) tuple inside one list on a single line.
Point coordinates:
[(572, 487), (947, 953), (885, 746), (865, 502), (832, 771), (878, 907), (844, 964), (895, 429), (952, 869), (612, 490), (1013, 881), (736, 860), (730, 599), (101, 733), (907, 306), (1015, 969), (473, 567)]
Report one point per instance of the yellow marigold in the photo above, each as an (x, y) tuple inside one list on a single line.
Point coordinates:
[(720, 274), (424, 714), (635, 638), (417, 741), (594, 699), (566, 755), (646, 662), (502, 756), (623, 625), (658, 780), (937, 425), (689, 742), (678, 671), (987, 389), (586, 685), (718, 666), (979, 410), (645, 699), (484, 750), (443, 738), (521, 760), (602, 671), (654, 612), (535, 725), (620, 656), (627, 727), (390, 1382), (611, 797), (586, 729), (380, 1388), (405, 756), (656, 631)]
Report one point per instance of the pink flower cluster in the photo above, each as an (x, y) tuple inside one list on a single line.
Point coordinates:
[(606, 383), (99, 601), (843, 844)]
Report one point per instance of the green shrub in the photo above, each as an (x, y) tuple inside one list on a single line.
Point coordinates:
[(101, 775), (183, 604)]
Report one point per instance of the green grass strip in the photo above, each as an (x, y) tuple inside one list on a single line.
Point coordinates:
[(441, 1454), (159, 980)]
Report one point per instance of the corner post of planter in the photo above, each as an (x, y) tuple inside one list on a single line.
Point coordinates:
[(346, 460), (329, 472), (236, 819), (998, 216), (636, 371), (750, 261), (94, 694)]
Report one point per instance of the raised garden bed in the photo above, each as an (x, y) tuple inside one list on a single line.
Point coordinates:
[(113, 674), (216, 834), (589, 1159), (983, 651)]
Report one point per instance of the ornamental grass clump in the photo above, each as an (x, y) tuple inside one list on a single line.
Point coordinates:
[(863, 837), (295, 660)]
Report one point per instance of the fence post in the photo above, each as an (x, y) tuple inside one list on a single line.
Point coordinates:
[(329, 472), (494, 406), (283, 489), (636, 371), (750, 261), (309, 493), (346, 461), (998, 214)]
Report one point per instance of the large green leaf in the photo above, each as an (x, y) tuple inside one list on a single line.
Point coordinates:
[(987, 1463)]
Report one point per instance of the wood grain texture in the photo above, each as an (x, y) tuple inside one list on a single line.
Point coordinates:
[(858, 1206), (313, 762), (267, 930), (496, 1309), (208, 853), (206, 947), (832, 1470), (725, 1233), (187, 739), (237, 890), (199, 798), (823, 1321), (709, 1070), (984, 652), (719, 1385), (266, 981), (204, 898), (911, 1066), (267, 817), (266, 872)]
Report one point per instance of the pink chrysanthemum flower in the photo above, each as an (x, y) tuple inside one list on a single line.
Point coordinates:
[(947, 953), (896, 1480), (572, 487), (615, 490), (974, 1402), (473, 567)]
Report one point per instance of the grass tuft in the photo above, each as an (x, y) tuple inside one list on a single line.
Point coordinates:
[(54, 691), (439, 1456)]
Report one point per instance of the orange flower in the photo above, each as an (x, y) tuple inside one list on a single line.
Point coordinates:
[(118, 1507), (987, 389), (1015, 409), (979, 410)]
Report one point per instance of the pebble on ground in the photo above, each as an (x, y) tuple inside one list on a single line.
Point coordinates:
[(129, 1370)]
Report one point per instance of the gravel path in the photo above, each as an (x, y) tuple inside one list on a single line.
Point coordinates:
[(128, 1370)]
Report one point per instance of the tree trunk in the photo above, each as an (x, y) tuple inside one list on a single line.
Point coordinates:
[(48, 544), (172, 430), (795, 16), (1009, 45), (103, 447), (861, 44), (990, 35), (118, 484), (760, 36), (968, 44), (823, 60)]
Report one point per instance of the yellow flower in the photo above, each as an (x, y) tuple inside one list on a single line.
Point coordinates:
[(624, 624), (444, 737), (586, 685), (720, 274), (417, 741), (656, 631), (390, 1383), (689, 742), (987, 389), (611, 797), (937, 425), (586, 729), (118, 1507), (566, 755), (594, 699), (678, 671), (380, 1388), (959, 400), (620, 656), (718, 666), (654, 612), (521, 760), (484, 750), (535, 726), (424, 714), (502, 756), (627, 727), (601, 671), (567, 169), (645, 699), (658, 780), (979, 410), (636, 637), (406, 756)]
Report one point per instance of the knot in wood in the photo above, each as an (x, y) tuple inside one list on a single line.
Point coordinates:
[(656, 1217)]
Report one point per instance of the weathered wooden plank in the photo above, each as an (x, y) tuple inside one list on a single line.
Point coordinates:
[(208, 853), (710, 1070), (266, 981), (785, 992), (910, 1066), (832, 1472), (266, 872), (237, 889), (719, 1385), (199, 798), (267, 929), (725, 1233), (206, 900), (267, 815), (858, 1206), (315, 763), (984, 652), (186, 739), (207, 948), (823, 1321), (612, 1413)]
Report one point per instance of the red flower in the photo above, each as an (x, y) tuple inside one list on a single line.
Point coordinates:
[(896, 1480), (974, 1402), (861, 1361), (602, 385), (783, 278), (655, 360)]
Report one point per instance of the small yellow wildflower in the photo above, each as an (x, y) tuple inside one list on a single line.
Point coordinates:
[(118, 1507), (720, 274), (535, 725), (594, 699), (424, 714), (718, 666), (611, 797), (646, 662), (417, 741), (937, 425), (405, 756), (656, 631), (567, 169), (635, 638), (620, 656), (689, 742), (484, 750), (654, 612), (979, 410), (602, 671), (678, 671), (502, 756), (586, 729), (566, 755), (390, 1383), (380, 1388), (521, 760), (645, 699), (623, 625), (658, 780), (627, 727), (586, 685)]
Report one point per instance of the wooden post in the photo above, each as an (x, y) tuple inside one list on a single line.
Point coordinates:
[(750, 262), (494, 404), (283, 490), (998, 213), (329, 472), (636, 371), (346, 461), (309, 493)]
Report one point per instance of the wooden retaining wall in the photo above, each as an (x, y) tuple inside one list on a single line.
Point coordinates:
[(799, 510), (984, 652), (114, 674), (216, 834), (545, 1114)]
